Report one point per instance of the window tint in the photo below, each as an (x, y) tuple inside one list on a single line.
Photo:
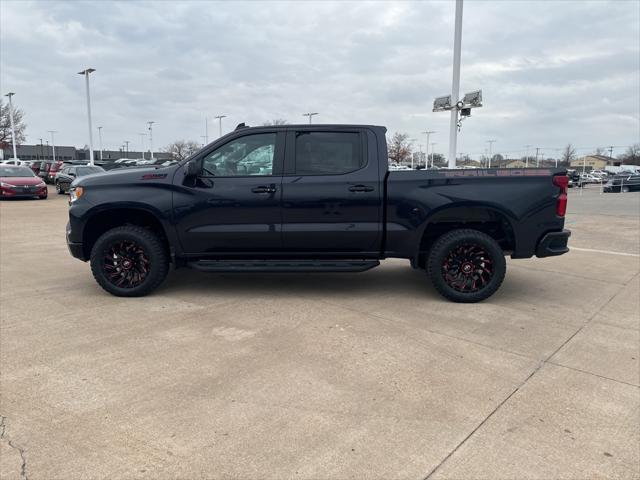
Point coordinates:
[(250, 155), (328, 153)]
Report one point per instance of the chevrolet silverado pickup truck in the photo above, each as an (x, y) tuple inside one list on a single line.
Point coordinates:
[(313, 198)]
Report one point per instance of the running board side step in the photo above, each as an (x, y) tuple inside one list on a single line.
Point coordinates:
[(280, 266)]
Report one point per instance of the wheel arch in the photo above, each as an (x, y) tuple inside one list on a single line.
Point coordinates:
[(496, 222), (105, 219)]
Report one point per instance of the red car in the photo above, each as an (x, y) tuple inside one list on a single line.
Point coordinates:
[(18, 181)]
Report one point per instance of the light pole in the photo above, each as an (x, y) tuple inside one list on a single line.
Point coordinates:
[(53, 144), (490, 142), (433, 154), (151, 139), (526, 158), (206, 131), (310, 114), (127, 142), (100, 140), (455, 85), (428, 134), (86, 73), (537, 161), (13, 128), (219, 118), (142, 135), (41, 148)]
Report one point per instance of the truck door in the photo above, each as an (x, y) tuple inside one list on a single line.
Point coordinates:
[(234, 205), (331, 192)]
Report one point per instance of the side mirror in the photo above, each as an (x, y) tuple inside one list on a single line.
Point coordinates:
[(192, 169)]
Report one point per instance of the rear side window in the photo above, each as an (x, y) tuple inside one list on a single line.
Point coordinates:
[(328, 153)]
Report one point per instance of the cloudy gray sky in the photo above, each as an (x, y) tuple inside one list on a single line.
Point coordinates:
[(551, 72)]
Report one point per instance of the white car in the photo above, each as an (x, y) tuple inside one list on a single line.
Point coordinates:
[(13, 161)]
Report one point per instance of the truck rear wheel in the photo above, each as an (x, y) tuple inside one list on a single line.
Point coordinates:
[(466, 266), (129, 261)]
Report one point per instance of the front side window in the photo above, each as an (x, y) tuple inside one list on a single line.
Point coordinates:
[(244, 156), (328, 153)]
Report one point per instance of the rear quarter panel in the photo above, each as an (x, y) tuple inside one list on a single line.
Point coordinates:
[(525, 197)]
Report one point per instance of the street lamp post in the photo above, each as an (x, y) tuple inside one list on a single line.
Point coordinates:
[(310, 114), (41, 149), (428, 133), (219, 118), (127, 142), (526, 158), (53, 144), (100, 140), (490, 142), (142, 135), (206, 131), (86, 73), (433, 154), (151, 139), (13, 128), (455, 85)]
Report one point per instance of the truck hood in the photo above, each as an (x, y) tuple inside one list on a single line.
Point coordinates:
[(125, 176)]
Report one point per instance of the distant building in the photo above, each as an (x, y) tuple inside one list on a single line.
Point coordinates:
[(595, 162), (67, 153)]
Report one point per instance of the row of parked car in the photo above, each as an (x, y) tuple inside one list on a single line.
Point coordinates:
[(626, 181)]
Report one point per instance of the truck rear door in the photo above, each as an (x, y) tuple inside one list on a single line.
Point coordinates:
[(331, 192)]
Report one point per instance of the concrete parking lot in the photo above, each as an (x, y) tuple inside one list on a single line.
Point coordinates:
[(369, 375)]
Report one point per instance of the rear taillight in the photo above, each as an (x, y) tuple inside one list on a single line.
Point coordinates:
[(561, 181)]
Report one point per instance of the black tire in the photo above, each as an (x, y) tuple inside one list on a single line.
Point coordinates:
[(140, 261), (59, 188), (466, 266)]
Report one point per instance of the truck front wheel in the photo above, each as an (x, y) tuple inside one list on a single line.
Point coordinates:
[(466, 265), (129, 261)]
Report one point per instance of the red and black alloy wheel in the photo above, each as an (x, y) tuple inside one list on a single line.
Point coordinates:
[(466, 265), (126, 264)]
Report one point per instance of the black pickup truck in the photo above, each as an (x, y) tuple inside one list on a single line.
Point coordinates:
[(313, 198)]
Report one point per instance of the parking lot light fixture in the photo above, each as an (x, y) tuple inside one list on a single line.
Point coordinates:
[(86, 73), (219, 118), (53, 144), (142, 135), (100, 141), (13, 129), (428, 134), (310, 115), (150, 123)]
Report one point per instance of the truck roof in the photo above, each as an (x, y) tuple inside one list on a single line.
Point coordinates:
[(323, 126)]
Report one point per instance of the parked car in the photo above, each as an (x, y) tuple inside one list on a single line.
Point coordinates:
[(623, 183), (70, 172), (326, 203), (19, 181), (12, 161), (49, 169)]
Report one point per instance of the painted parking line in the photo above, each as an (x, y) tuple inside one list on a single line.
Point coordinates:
[(609, 252)]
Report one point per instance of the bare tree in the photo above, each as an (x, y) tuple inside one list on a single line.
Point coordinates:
[(275, 121), (632, 155), (5, 125), (181, 149), (399, 148), (568, 154)]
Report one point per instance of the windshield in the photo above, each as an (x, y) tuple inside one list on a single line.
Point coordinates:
[(82, 171), (16, 172)]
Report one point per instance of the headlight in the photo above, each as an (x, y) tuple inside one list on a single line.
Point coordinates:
[(41, 184), (75, 193), (7, 185)]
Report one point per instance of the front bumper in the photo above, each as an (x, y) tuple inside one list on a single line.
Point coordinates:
[(553, 243), (75, 248)]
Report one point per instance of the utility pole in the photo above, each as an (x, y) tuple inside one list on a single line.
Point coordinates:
[(537, 161), (100, 141), (611, 155), (142, 135), (490, 142), (219, 118), (206, 131), (127, 142), (13, 128), (86, 73), (455, 85), (428, 134), (53, 144), (526, 157), (151, 139), (310, 114)]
